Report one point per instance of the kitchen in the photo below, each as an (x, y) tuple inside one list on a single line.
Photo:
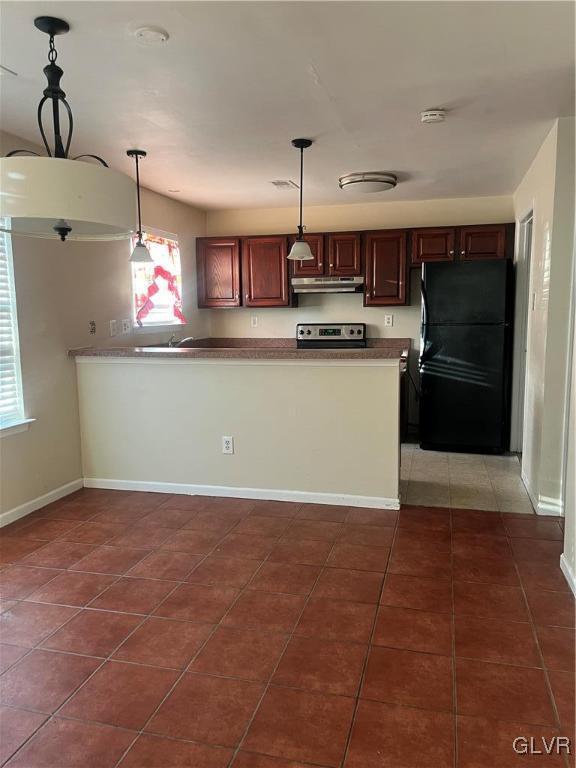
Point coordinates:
[(255, 272), (233, 552)]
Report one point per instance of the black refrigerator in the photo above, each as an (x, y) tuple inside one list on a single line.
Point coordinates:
[(465, 356)]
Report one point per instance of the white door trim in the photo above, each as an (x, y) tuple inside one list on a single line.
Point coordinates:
[(521, 306)]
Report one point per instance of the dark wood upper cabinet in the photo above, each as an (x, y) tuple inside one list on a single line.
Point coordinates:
[(312, 268), (265, 272), (385, 258), (344, 254), (218, 270), (486, 241), (432, 244)]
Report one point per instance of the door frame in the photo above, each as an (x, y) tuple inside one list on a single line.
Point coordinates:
[(522, 265)]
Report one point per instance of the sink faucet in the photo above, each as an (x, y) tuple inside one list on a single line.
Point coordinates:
[(183, 342)]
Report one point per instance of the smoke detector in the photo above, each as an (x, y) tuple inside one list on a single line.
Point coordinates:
[(433, 115), (370, 181), (151, 35)]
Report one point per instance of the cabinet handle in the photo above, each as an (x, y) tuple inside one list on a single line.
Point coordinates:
[(451, 253), (462, 253), (320, 264), (331, 266)]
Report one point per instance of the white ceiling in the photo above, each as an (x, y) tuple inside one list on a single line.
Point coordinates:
[(217, 106)]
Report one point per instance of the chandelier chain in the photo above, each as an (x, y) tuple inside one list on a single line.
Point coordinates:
[(52, 52)]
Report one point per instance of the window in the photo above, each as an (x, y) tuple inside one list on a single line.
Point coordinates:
[(11, 401), (157, 287)]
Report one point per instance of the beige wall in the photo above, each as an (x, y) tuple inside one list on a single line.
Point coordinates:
[(326, 428), (547, 190), (369, 215), (60, 287)]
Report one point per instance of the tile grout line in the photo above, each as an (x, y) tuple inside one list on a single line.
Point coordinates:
[(368, 651), (453, 627), (242, 591), (186, 667), (54, 714), (216, 626), (549, 689), (290, 637)]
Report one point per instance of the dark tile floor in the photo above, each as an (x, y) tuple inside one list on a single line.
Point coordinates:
[(149, 631)]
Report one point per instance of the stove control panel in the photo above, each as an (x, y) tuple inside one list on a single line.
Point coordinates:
[(331, 331)]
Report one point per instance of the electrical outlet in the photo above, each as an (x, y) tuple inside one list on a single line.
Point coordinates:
[(126, 326), (254, 321), (228, 445), (388, 321), (113, 327)]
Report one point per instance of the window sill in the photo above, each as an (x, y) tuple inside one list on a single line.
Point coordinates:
[(14, 427), (156, 327)]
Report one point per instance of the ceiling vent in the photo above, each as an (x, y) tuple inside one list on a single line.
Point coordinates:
[(433, 115), (284, 184), (7, 71), (370, 181)]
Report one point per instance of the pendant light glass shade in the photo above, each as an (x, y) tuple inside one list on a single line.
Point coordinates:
[(300, 251), (141, 254)]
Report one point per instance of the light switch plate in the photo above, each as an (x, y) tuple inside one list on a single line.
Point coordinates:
[(113, 327)]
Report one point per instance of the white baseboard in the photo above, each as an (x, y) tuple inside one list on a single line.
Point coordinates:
[(40, 501), (549, 506), (267, 494), (568, 573)]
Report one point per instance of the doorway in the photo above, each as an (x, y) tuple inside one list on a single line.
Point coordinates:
[(522, 305)]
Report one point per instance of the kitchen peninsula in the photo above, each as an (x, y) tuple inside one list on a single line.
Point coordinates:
[(307, 425)]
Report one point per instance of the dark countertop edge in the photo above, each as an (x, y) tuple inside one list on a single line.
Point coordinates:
[(246, 353)]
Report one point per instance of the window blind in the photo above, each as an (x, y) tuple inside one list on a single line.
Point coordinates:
[(11, 402)]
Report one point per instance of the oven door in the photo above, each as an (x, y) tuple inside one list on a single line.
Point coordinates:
[(321, 344)]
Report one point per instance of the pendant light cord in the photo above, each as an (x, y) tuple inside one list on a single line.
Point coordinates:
[(300, 227), (138, 198)]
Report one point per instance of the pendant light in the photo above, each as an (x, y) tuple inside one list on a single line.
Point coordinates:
[(300, 251), (140, 252), (58, 196)]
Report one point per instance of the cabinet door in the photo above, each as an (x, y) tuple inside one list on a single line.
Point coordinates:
[(385, 256), (432, 244), (218, 270), (483, 242), (344, 254), (265, 272), (312, 268)]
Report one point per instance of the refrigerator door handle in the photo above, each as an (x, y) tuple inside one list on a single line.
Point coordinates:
[(424, 326)]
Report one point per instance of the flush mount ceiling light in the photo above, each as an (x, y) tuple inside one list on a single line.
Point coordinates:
[(300, 251), (58, 196), (371, 181), (140, 252)]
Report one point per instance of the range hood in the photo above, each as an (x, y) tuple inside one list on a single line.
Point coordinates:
[(327, 284)]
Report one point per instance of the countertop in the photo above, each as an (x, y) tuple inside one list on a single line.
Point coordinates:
[(253, 349)]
